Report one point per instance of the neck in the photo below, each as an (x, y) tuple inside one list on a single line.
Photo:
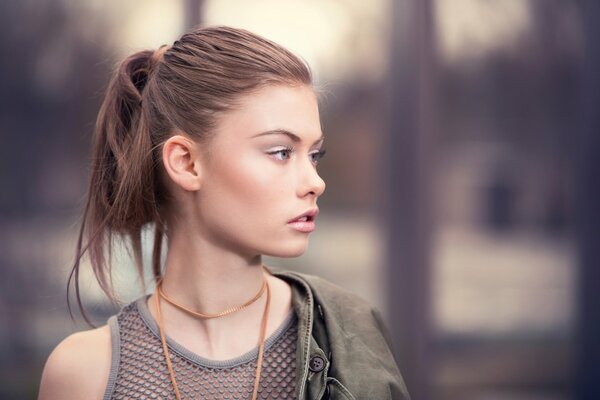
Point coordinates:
[(210, 281)]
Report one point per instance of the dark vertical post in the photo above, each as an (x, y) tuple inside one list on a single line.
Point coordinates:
[(192, 13), (588, 213), (407, 174)]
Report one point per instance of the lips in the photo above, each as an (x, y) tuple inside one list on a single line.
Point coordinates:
[(309, 215)]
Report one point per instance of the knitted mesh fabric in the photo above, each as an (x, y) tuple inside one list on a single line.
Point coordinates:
[(143, 374)]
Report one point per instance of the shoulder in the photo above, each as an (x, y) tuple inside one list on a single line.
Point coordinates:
[(349, 309), (329, 294), (341, 305), (78, 367)]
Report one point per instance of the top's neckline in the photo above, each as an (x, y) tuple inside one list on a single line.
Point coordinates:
[(142, 307)]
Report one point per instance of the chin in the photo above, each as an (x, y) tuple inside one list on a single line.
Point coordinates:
[(286, 252)]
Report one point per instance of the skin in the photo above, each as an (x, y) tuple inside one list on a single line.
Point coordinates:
[(232, 208)]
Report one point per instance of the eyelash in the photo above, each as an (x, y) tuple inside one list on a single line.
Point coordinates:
[(319, 154)]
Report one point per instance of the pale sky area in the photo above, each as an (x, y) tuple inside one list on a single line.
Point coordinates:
[(471, 28)]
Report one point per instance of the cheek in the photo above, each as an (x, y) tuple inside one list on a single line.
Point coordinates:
[(249, 189), (249, 181)]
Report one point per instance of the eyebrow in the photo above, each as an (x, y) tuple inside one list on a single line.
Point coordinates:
[(295, 138)]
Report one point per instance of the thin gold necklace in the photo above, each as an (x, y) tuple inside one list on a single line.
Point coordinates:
[(207, 316), (263, 331)]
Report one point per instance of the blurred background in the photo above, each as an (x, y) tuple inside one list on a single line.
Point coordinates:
[(462, 176)]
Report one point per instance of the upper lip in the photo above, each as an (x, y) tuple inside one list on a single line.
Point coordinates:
[(311, 214)]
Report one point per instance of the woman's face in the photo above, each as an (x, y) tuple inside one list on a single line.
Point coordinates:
[(255, 182)]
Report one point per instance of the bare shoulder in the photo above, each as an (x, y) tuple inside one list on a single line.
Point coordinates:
[(78, 367)]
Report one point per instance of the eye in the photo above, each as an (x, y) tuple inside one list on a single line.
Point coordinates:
[(282, 151), (318, 155)]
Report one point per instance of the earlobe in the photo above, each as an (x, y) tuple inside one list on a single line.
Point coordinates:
[(179, 156)]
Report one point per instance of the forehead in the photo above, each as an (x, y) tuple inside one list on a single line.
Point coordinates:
[(275, 107)]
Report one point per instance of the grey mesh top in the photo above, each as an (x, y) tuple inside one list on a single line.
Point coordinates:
[(139, 369)]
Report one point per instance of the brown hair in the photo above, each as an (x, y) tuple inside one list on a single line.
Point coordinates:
[(184, 87)]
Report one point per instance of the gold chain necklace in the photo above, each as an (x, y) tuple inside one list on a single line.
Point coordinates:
[(263, 331), (207, 316)]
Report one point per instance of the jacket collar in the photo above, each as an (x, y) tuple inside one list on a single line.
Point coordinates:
[(303, 303)]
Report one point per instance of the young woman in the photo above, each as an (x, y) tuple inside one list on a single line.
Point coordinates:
[(213, 143)]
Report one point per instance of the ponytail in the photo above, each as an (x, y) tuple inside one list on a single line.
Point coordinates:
[(122, 192)]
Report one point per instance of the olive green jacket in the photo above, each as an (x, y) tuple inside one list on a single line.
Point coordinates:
[(344, 348)]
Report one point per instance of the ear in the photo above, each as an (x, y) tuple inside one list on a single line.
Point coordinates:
[(180, 158)]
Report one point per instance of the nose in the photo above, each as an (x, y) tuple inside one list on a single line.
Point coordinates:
[(312, 183)]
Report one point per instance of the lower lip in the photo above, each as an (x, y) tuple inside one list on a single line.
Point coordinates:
[(303, 226)]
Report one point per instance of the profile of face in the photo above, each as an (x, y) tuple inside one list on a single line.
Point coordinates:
[(258, 178)]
